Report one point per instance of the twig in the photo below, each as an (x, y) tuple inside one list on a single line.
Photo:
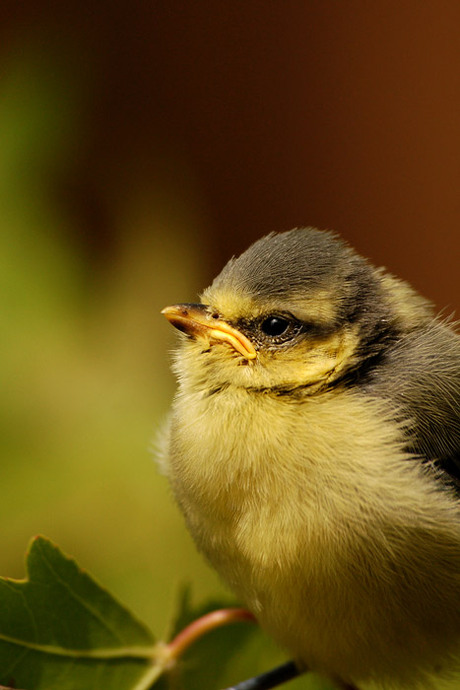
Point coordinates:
[(270, 679)]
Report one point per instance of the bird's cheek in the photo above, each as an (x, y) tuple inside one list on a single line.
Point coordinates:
[(327, 360), (320, 365)]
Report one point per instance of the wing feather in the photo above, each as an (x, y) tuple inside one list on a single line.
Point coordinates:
[(420, 375)]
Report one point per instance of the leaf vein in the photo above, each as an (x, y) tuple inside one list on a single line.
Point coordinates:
[(146, 653)]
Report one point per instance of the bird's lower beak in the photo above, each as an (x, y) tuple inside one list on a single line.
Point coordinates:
[(196, 320)]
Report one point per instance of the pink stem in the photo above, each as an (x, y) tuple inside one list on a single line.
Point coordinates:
[(201, 626)]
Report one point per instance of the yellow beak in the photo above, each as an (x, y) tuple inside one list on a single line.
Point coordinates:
[(196, 320)]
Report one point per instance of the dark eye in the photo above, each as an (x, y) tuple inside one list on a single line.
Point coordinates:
[(274, 326)]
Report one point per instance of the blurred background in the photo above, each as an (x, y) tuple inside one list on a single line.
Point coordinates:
[(141, 145)]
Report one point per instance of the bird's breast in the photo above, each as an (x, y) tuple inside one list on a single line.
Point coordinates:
[(313, 512)]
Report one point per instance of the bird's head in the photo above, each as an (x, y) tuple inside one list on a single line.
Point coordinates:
[(298, 311)]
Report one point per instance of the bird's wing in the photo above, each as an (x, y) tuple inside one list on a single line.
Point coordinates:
[(420, 375)]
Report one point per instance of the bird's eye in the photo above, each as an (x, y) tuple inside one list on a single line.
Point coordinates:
[(274, 326)]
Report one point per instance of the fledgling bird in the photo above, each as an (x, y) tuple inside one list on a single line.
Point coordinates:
[(314, 450)]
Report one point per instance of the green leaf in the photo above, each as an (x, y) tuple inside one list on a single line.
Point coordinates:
[(60, 630)]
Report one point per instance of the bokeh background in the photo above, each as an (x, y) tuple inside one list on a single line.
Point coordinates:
[(141, 145)]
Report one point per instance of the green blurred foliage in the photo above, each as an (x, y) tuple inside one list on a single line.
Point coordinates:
[(85, 364)]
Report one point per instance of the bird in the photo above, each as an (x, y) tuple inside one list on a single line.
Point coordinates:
[(313, 447)]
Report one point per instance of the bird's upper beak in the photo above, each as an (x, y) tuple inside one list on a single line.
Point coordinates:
[(196, 320)]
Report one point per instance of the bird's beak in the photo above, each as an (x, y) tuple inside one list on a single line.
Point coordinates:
[(196, 320)]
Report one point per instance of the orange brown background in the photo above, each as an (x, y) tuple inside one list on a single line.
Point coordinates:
[(344, 115)]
